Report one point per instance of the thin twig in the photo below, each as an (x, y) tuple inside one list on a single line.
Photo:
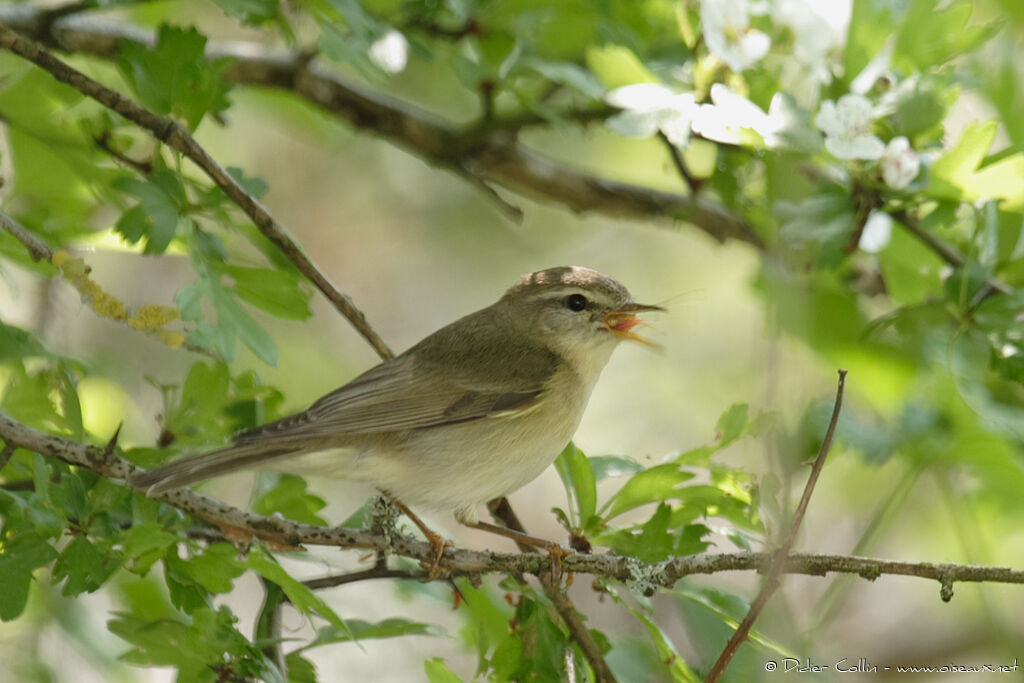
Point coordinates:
[(37, 249), (780, 557), (694, 184), (172, 133), (375, 572), (502, 511)]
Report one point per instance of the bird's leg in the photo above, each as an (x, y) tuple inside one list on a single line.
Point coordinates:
[(554, 550), (437, 542)]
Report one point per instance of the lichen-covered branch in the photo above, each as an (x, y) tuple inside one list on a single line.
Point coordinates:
[(634, 573)]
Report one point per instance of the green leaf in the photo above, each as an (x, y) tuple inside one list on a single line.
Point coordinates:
[(438, 672), (604, 466), (216, 568), (577, 477), (85, 566), (730, 609), (291, 499), (143, 538), (156, 216), (174, 77), (732, 424), (928, 36), (912, 271), (871, 22), (301, 597), (278, 292), (958, 174), (16, 343), (616, 66), (678, 670), (364, 630), (19, 556), (653, 485), (233, 318)]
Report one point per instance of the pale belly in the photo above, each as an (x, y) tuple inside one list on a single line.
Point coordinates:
[(456, 467)]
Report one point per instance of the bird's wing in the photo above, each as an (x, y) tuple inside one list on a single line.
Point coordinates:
[(398, 395)]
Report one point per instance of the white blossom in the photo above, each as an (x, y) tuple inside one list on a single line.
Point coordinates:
[(877, 232), (729, 114), (727, 31), (390, 52), (847, 128), (819, 31), (648, 108), (899, 163)]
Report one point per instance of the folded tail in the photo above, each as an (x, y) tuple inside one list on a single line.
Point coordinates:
[(189, 470)]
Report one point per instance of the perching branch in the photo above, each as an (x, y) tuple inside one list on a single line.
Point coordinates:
[(172, 133), (239, 525), (491, 154), (780, 556)]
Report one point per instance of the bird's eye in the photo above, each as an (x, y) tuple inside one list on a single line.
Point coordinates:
[(576, 302)]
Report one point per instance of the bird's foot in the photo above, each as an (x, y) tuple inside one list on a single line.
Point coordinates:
[(437, 545)]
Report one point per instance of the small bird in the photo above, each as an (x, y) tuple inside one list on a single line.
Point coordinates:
[(472, 412)]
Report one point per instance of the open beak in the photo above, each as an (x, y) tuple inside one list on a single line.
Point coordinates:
[(622, 321)]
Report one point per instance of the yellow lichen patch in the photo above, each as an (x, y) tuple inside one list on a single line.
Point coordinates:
[(149, 318), (152, 317), (76, 271), (172, 339), (70, 267)]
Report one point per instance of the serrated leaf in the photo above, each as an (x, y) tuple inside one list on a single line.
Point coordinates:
[(653, 485), (155, 217), (277, 292), (956, 174), (174, 77), (145, 538), (291, 499), (85, 566), (20, 554), (233, 318)]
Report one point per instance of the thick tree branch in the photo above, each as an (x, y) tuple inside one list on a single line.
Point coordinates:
[(172, 133), (780, 556), (461, 562), (489, 153)]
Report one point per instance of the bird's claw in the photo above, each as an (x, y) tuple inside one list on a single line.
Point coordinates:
[(437, 545)]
